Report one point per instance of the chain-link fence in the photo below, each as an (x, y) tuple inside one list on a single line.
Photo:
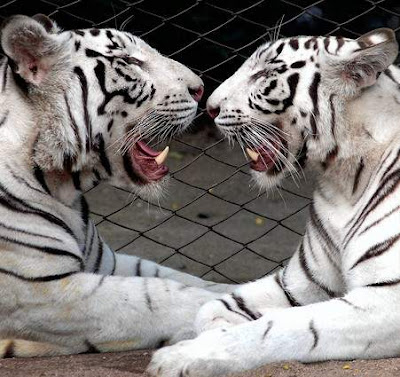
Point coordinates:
[(212, 223)]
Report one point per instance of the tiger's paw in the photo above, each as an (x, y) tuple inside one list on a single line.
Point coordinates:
[(216, 315), (209, 355)]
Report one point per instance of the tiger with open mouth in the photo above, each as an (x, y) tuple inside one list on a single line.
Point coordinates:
[(332, 104), (76, 108)]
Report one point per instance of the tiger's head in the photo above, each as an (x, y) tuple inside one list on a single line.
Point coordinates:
[(287, 104), (97, 98)]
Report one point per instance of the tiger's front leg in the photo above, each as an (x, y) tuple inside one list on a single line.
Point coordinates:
[(351, 327), (87, 312), (301, 282)]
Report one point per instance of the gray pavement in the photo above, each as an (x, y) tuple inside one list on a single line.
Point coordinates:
[(212, 222)]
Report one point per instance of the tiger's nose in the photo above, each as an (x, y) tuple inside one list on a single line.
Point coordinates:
[(213, 111), (197, 93)]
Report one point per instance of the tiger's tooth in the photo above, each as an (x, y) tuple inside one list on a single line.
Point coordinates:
[(253, 155), (162, 156)]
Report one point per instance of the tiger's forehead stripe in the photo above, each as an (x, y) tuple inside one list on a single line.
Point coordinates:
[(331, 44)]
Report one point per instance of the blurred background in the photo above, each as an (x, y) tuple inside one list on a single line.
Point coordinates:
[(212, 223)]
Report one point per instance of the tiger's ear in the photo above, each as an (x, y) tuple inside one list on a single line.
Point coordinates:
[(374, 52), (32, 44)]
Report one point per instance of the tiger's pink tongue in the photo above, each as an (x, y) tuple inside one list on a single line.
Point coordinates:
[(148, 162), (263, 158), (146, 149)]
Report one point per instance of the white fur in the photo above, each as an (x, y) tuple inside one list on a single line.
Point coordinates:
[(56, 292), (339, 296)]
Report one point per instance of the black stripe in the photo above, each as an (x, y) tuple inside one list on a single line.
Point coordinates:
[(347, 302), (269, 327), (5, 75), (243, 307), (377, 250), (320, 229), (376, 222), (76, 179), (39, 279), (298, 64), (139, 268), (292, 301), (309, 275), (4, 118), (44, 249), (29, 233), (99, 147), (327, 41), (85, 93), (38, 174), (389, 74), (84, 210), (340, 41), (308, 43), (96, 288), (13, 203), (271, 86), (23, 181), (314, 333), (73, 123), (279, 49), (313, 92), (99, 256), (147, 295), (384, 283), (333, 114), (386, 188), (360, 168), (228, 307), (110, 124), (389, 168), (294, 43), (100, 72)]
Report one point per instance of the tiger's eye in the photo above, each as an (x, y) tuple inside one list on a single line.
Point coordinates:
[(259, 74), (133, 60)]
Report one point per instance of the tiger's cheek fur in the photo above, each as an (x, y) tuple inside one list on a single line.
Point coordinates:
[(294, 93)]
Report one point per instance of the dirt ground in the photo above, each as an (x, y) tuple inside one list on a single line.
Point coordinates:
[(133, 364)]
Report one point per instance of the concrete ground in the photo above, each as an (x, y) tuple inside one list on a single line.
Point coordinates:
[(133, 364)]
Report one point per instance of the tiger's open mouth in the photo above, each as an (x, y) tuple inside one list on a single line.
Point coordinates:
[(148, 163), (265, 158)]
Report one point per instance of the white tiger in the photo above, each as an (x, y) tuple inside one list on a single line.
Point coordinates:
[(334, 104), (69, 102)]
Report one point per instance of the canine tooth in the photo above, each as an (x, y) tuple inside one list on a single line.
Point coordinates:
[(162, 156), (253, 155)]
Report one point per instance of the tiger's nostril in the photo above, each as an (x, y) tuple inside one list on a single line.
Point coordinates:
[(213, 111), (197, 93)]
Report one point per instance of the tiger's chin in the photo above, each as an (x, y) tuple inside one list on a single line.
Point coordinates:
[(154, 190), (265, 181)]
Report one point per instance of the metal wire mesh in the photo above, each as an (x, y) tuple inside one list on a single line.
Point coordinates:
[(211, 224)]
